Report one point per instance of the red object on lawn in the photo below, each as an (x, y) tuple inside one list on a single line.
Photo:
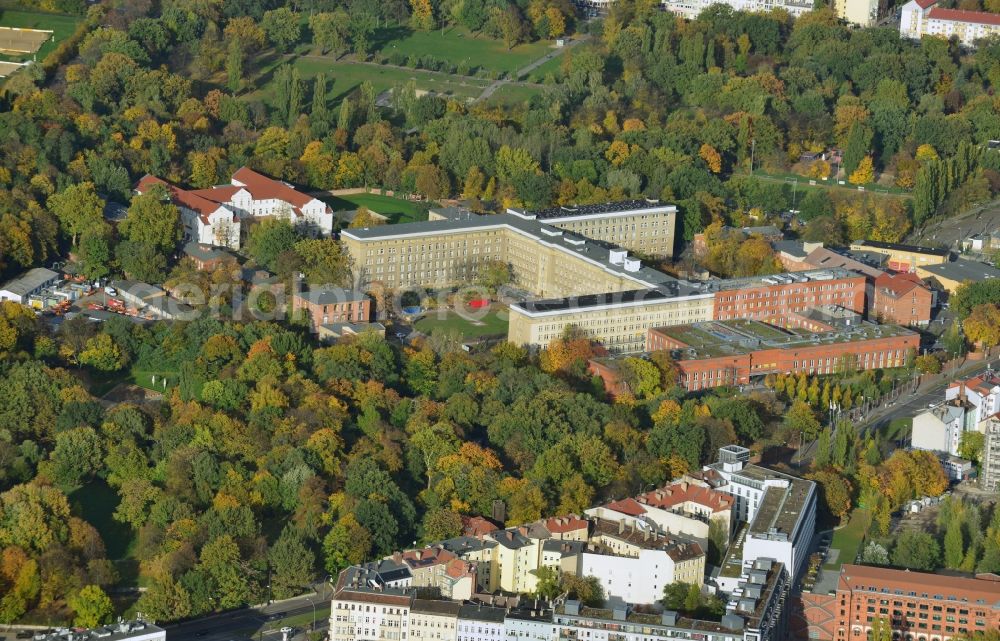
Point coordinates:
[(479, 303)]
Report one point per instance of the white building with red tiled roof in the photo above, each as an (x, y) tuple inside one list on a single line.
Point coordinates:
[(924, 18), (206, 222), (212, 216), (681, 507), (981, 392)]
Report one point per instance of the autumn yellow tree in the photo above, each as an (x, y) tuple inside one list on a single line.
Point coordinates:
[(473, 186), (363, 218), (421, 14), (711, 158), (926, 152), (557, 22), (864, 174), (819, 170), (983, 325)]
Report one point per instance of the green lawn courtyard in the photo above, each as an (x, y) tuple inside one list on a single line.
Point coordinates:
[(457, 45), (847, 540), (62, 27), (494, 323), (396, 209)]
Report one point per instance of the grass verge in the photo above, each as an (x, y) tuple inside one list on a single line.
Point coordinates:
[(848, 538)]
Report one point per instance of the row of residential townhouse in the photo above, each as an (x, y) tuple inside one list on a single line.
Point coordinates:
[(633, 559), (970, 405), (634, 547), (755, 612)]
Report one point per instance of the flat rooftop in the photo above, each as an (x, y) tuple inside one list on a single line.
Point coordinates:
[(664, 291), (610, 209), (790, 278), (715, 339), (594, 251), (962, 270), (781, 508), (912, 249), (763, 578)]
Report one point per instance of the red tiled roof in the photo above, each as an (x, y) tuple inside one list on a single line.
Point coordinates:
[(923, 4), (983, 384), (180, 197), (262, 188), (899, 284), (220, 194), (627, 506), (477, 526), (957, 15), (427, 556), (683, 492), (457, 568), (563, 524)]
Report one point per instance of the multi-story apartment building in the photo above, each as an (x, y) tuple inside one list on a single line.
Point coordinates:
[(563, 556), (681, 507), (543, 259), (779, 511), (940, 428), (621, 320), (980, 393), (642, 226), (368, 615), (863, 13), (213, 216), (691, 8), (635, 563), (478, 551), (690, 500), (924, 18), (755, 613), (990, 472), (478, 622), (433, 620), (517, 557), (740, 352)]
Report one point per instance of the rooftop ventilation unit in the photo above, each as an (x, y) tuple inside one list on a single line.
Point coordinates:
[(617, 256), (632, 264)]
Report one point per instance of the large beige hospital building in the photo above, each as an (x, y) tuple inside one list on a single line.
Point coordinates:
[(544, 259)]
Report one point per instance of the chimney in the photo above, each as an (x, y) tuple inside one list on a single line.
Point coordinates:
[(621, 526)]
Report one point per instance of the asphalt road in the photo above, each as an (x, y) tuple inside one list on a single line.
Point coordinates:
[(255, 624), (911, 404), (907, 403)]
